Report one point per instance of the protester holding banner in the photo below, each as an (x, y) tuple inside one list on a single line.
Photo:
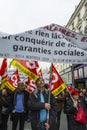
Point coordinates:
[(43, 107), (19, 106)]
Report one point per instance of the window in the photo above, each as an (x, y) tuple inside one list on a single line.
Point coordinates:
[(79, 19), (80, 73), (73, 27), (75, 74), (86, 7), (85, 29), (79, 28), (85, 71)]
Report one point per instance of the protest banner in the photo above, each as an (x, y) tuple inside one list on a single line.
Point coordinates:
[(49, 44)]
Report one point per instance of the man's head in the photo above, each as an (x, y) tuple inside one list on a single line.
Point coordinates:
[(21, 85), (40, 84), (4, 92)]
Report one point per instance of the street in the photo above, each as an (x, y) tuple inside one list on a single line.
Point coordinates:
[(63, 124)]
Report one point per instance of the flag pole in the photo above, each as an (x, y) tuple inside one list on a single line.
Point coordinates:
[(50, 83)]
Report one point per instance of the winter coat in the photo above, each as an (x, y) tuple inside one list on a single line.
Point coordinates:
[(35, 106), (0, 109), (60, 101), (71, 112), (85, 105), (6, 104)]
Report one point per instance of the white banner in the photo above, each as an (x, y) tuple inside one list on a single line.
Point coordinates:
[(77, 39), (49, 44)]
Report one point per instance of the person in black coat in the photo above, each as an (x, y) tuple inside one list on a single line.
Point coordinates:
[(71, 109), (48, 106), (85, 104), (60, 102), (6, 107), (0, 110)]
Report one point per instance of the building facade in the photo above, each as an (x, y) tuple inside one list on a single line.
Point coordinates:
[(78, 20), (78, 23), (80, 76), (76, 74)]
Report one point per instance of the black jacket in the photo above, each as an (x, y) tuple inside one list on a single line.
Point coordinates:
[(5, 102), (35, 106), (71, 112)]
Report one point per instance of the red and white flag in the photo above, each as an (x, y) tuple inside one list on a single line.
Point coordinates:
[(3, 71), (39, 73), (29, 68), (57, 85), (31, 86), (13, 81)]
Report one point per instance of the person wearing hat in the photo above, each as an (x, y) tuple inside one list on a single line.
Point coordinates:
[(71, 110), (19, 106)]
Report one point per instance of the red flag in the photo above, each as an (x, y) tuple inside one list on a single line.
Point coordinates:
[(27, 67), (13, 80), (39, 73), (58, 84), (31, 86), (3, 69)]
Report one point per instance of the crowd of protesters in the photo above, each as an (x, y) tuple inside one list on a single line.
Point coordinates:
[(41, 108)]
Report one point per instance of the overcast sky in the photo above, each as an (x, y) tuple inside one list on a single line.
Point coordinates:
[(21, 15)]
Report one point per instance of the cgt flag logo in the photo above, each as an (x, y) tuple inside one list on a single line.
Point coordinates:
[(29, 68), (31, 86), (58, 84), (13, 81)]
